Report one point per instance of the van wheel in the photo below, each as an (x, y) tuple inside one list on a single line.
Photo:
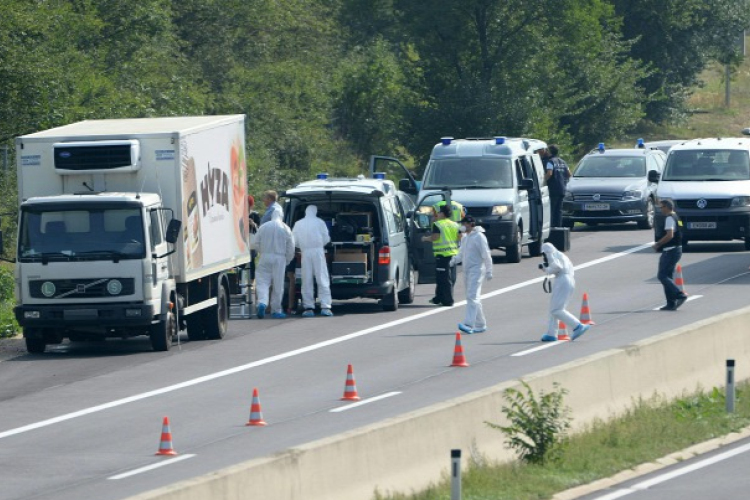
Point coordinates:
[(535, 248), (406, 296), (216, 318), (390, 301), (648, 222), (513, 252), (161, 333)]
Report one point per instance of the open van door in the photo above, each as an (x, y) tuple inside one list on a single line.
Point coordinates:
[(421, 225), (395, 171)]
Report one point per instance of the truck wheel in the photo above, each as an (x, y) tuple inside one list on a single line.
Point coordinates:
[(195, 329), (35, 343), (161, 333), (217, 317), (513, 252), (406, 296)]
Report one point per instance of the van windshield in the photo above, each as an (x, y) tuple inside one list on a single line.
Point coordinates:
[(469, 173), (707, 165)]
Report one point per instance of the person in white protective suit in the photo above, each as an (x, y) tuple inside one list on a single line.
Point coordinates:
[(477, 267), (558, 264), (275, 243), (311, 236)]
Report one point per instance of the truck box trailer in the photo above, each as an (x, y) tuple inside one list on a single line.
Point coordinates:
[(130, 227)]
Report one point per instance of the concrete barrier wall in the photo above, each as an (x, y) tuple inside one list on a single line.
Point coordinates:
[(411, 451)]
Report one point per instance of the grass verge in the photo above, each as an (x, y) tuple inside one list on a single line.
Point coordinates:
[(650, 430)]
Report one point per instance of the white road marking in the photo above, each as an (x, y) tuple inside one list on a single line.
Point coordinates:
[(152, 467), (668, 476), (542, 347), (364, 402), (690, 297), (289, 354)]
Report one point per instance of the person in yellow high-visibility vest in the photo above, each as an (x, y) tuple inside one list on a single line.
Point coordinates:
[(444, 238), (458, 212)]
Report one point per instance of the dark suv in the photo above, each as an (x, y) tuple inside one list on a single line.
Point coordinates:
[(615, 185)]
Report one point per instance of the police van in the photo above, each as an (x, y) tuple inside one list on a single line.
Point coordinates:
[(367, 220), (500, 182), (709, 182)]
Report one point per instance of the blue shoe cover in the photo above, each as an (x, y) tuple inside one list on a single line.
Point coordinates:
[(309, 313), (261, 311), (579, 331), (465, 328), (278, 316), (326, 312), (548, 338)]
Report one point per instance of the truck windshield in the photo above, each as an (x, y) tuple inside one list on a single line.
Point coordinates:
[(80, 234), (469, 173), (707, 165)]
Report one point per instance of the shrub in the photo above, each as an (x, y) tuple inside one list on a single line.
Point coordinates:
[(537, 426)]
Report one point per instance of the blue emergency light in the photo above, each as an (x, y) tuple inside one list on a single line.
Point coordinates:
[(499, 140), (601, 147), (379, 175), (446, 140), (640, 144), (322, 176)]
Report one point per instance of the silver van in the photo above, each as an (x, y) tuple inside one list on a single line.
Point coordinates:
[(500, 182)]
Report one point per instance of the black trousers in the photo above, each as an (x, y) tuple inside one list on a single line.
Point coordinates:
[(445, 278)]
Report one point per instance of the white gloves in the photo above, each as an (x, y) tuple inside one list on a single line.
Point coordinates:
[(488, 276)]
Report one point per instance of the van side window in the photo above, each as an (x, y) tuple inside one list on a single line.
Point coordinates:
[(520, 174), (394, 223), (527, 168)]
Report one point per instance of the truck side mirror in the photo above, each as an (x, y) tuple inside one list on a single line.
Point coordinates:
[(653, 176), (173, 231), (746, 131)]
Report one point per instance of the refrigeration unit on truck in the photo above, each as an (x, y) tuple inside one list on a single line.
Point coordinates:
[(130, 227)]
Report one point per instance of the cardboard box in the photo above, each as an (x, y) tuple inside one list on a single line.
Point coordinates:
[(350, 255)]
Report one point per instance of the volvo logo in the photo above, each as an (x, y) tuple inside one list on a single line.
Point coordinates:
[(702, 203), (597, 197)]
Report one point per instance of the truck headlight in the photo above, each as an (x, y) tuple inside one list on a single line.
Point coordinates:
[(740, 201), (502, 210), (31, 314), (633, 194)]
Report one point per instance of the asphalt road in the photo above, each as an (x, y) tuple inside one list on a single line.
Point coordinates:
[(84, 419)]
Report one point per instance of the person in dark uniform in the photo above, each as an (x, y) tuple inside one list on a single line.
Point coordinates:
[(669, 243), (444, 238), (556, 174)]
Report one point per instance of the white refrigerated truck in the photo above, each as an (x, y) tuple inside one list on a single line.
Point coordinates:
[(130, 227)]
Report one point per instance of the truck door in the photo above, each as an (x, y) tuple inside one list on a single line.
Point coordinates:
[(523, 200), (159, 250), (421, 225), (395, 171)]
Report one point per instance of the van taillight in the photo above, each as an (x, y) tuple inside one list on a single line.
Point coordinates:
[(384, 256)]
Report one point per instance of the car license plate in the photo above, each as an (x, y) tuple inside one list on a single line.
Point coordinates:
[(596, 206), (701, 225)]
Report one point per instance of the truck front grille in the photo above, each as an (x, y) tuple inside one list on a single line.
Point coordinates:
[(79, 289)]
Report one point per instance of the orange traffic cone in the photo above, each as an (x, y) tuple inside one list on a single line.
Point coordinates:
[(562, 331), (165, 444), (256, 416), (350, 388), (678, 279), (585, 317), (458, 353)]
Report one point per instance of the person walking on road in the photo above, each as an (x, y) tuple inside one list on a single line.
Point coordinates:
[(276, 244), (444, 240), (556, 174), (558, 264), (311, 235), (477, 267), (669, 243)]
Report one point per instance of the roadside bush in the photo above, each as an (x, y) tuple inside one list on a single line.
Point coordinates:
[(8, 324), (537, 425)]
